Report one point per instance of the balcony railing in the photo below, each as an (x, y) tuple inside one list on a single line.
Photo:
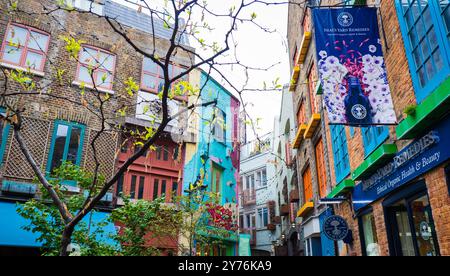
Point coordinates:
[(248, 197)]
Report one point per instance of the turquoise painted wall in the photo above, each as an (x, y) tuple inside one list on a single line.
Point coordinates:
[(220, 154)]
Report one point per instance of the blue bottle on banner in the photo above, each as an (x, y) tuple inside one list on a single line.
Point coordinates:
[(357, 106)]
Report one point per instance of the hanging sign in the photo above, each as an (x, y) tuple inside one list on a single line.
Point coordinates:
[(335, 228), (351, 67)]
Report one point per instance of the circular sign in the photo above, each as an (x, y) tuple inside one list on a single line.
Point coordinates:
[(335, 228), (345, 19), (359, 112)]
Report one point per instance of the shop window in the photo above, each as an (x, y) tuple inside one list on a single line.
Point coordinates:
[(25, 47), (219, 125), (307, 185), (320, 165), (340, 152), (373, 137), (67, 145), (368, 234), (425, 28), (96, 66), (4, 132)]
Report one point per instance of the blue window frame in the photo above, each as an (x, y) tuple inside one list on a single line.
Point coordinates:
[(340, 152), (66, 146), (425, 27), (373, 137), (4, 132)]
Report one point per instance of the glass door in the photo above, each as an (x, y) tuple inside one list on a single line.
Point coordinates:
[(412, 231)]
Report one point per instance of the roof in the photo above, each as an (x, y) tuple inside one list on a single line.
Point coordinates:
[(210, 78), (140, 21)]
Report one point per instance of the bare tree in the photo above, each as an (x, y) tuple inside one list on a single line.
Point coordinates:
[(183, 18)]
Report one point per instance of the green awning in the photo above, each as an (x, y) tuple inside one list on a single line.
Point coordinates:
[(375, 161)]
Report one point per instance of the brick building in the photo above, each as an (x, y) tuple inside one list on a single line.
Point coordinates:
[(395, 179), (59, 130)]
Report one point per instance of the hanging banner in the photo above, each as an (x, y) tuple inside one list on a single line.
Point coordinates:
[(351, 67)]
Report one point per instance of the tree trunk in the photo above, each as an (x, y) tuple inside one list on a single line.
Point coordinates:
[(66, 240)]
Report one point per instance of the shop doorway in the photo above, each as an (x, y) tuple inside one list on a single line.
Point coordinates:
[(410, 226)]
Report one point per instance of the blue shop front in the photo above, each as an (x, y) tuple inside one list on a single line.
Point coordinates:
[(405, 187)]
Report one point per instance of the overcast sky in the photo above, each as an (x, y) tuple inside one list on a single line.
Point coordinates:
[(256, 48)]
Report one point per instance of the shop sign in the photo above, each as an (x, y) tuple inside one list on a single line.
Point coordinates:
[(335, 228), (422, 155), (351, 66)]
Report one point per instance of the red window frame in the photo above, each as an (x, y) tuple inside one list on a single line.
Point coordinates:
[(160, 75), (97, 69), (22, 62)]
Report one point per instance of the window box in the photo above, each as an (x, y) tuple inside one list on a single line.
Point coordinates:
[(430, 111), (306, 41), (343, 187), (375, 161), (294, 78), (271, 227), (306, 209), (312, 126), (299, 137), (284, 210), (11, 187)]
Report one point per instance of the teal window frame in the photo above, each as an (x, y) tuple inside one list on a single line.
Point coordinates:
[(71, 125), (5, 134), (442, 45), (373, 137), (340, 152)]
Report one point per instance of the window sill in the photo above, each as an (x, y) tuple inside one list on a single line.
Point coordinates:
[(91, 87), (20, 68)]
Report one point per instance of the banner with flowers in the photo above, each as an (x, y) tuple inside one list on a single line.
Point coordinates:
[(351, 67)]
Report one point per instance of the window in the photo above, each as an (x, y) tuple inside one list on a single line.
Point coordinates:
[(425, 28), (25, 47), (301, 115), (163, 187), (321, 173), (373, 137), (307, 186), (250, 183), (219, 125), (263, 217), (368, 232), (98, 65), (67, 145), (153, 76), (264, 178), (141, 187), (174, 190), (119, 188), (133, 187), (155, 189), (4, 132), (340, 153), (216, 180), (312, 77), (87, 5), (166, 153)]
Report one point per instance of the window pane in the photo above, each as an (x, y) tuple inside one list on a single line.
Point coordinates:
[(74, 145), (166, 153), (106, 61), (133, 187), (163, 187), (84, 75), (12, 54), (34, 61), (38, 41), (17, 35), (150, 66), (152, 83), (141, 187), (155, 189), (104, 79), (370, 235), (89, 56), (59, 146)]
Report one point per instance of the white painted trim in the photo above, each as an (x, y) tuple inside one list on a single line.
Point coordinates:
[(24, 69)]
